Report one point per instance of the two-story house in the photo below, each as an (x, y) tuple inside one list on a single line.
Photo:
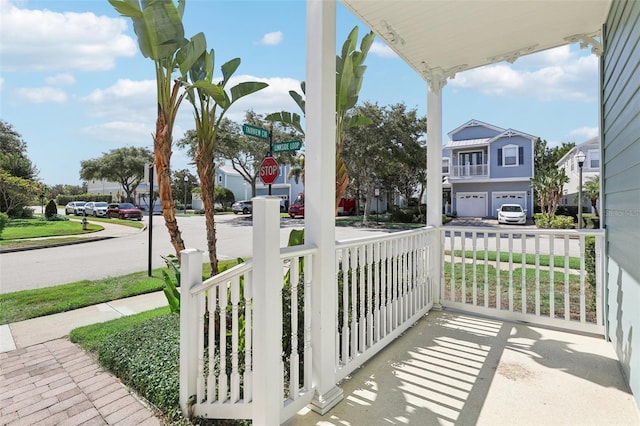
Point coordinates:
[(590, 168), (485, 166)]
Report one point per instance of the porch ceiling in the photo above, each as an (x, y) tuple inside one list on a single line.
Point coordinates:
[(445, 37)]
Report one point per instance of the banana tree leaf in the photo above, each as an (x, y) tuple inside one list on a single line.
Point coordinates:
[(161, 30), (189, 54), (246, 88), (298, 99), (216, 92), (286, 117), (228, 69)]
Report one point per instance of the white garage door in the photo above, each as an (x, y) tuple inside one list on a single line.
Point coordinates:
[(471, 204), (500, 198)]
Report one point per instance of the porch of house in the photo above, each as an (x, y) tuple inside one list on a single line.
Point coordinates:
[(413, 328), (452, 368)]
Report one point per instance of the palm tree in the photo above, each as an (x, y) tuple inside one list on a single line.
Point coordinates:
[(549, 186), (350, 70), (591, 189), (158, 25), (297, 169), (210, 103)]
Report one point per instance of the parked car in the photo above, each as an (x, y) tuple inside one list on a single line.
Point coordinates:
[(124, 211), (512, 213), (297, 207), (75, 207), (96, 208), (244, 207)]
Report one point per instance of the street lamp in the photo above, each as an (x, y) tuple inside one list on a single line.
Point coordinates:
[(186, 179), (580, 160)]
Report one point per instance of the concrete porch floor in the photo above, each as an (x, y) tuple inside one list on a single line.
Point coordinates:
[(452, 368)]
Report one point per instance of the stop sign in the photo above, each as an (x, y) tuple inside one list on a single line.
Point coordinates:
[(269, 170)]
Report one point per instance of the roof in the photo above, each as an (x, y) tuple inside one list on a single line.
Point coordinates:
[(424, 33), (583, 146), (474, 123), (228, 170), (467, 142)]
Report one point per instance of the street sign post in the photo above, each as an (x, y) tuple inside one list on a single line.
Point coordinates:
[(269, 171), (287, 146), (257, 132)]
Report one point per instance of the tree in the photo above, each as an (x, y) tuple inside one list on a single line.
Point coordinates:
[(158, 25), (178, 185), (548, 185), (123, 165), (13, 154), (591, 189), (350, 70), (244, 152), (17, 193), (390, 153), (210, 103)]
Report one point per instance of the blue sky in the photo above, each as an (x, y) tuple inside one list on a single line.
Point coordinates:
[(74, 85)]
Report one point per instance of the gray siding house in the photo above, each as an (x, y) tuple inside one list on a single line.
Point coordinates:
[(620, 118), (486, 166)]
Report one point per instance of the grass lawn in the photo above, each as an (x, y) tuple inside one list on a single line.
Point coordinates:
[(36, 228), (22, 305)]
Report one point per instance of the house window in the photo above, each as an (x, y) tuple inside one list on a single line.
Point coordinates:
[(594, 159), (511, 156), (445, 165), (219, 178)]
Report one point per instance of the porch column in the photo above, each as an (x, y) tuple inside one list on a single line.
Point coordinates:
[(320, 186), (434, 178)]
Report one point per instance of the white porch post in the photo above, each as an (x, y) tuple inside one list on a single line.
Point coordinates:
[(320, 186), (191, 276), (267, 288), (434, 179)]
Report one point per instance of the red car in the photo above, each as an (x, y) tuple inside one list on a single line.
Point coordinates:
[(124, 211)]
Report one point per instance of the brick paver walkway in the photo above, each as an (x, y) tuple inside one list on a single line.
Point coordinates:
[(57, 383)]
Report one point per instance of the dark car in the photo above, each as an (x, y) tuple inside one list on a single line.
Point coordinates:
[(124, 211)]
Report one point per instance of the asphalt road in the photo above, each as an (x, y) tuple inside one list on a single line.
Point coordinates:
[(41, 268)]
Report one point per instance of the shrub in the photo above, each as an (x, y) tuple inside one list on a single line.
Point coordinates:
[(591, 220), (562, 222), (590, 267), (403, 215), (56, 218), (51, 210), (4, 218)]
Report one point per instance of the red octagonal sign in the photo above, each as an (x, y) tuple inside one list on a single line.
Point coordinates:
[(269, 170)]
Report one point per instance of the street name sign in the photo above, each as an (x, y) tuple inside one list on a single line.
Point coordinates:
[(257, 132), (287, 146)]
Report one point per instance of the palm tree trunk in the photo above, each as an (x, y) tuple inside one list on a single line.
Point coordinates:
[(162, 154), (206, 173)]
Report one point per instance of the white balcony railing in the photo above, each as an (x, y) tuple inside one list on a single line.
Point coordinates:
[(470, 170)]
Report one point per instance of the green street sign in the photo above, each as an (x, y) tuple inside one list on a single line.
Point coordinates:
[(286, 146), (257, 132)]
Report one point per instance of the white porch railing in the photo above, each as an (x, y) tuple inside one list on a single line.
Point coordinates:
[(543, 276), (246, 344), (383, 288)]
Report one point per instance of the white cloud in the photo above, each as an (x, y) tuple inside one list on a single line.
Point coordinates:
[(583, 133), (382, 50), (1, 82), (40, 40), (125, 100), (40, 95), (118, 133), (272, 39), (553, 75), (61, 80)]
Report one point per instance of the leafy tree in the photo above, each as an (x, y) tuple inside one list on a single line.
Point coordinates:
[(210, 103), (350, 70), (158, 25), (16, 193), (178, 185), (223, 195), (297, 169), (591, 189), (244, 152), (13, 153), (390, 153), (123, 165)]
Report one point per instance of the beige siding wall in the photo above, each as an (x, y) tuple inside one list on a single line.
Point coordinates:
[(621, 183)]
